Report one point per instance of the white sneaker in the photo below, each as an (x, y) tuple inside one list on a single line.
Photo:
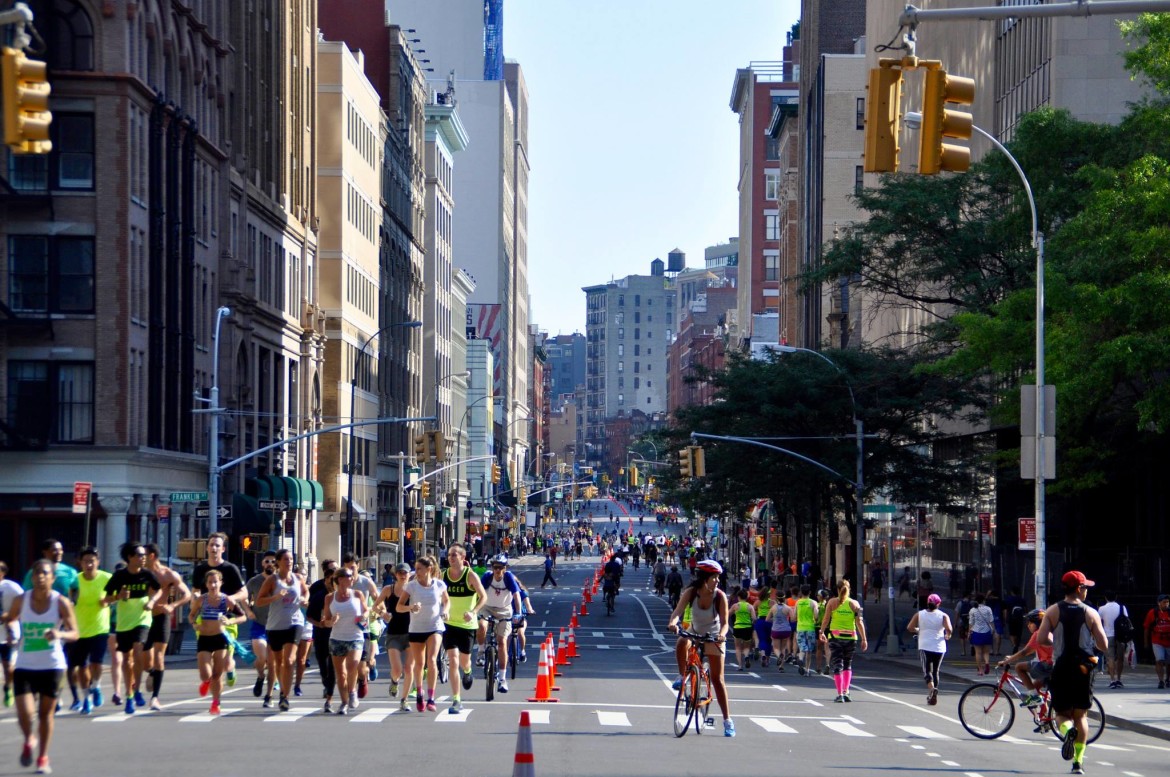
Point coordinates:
[(503, 686)]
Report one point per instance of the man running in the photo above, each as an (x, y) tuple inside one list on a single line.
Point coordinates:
[(174, 594), (467, 596), (502, 600), (93, 627), (64, 583), (231, 586), (136, 590), (1073, 629), (259, 634)]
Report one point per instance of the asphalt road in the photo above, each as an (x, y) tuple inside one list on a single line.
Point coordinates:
[(613, 717)]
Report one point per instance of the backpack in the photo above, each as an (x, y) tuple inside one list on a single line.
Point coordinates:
[(1123, 628)]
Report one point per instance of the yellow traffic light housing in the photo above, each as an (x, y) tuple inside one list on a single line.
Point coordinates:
[(438, 446), (425, 490), (698, 461), (26, 103), (634, 476), (420, 447), (495, 473), (938, 122), (883, 108), (685, 465)]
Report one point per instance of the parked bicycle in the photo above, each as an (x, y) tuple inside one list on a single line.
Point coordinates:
[(987, 710), (694, 694)]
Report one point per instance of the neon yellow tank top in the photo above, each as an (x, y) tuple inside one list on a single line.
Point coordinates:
[(743, 615), (462, 598), (805, 620), (763, 607), (93, 618), (843, 623)]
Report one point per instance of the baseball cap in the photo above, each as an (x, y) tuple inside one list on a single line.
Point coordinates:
[(400, 567), (1076, 578), (1163, 597), (934, 599)]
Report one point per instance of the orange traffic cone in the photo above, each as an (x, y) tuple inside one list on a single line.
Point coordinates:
[(585, 604), (573, 620), (551, 652), (543, 683), (573, 644), (563, 652), (523, 764), (588, 596)]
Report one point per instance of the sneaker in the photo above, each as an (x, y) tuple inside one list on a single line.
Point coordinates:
[(204, 687), (393, 689), (1077, 768), (139, 699), (26, 755), (267, 702), (802, 671), (676, 684), (419, 704), (341, 709), (43, 765), (353, 701), (129, 707), (116, 700), (431, 705), (779, 667), (1066, 747), (363, 689), (523, 657), (75, 706), (374, 673), (840, 698), (258, 687), (747, 664), (1161, 685), (467, 678), (479, 662), (456, 706), (98, 698), (328, 708), (728, 728), (297, 691), (403, 706), (231, 679), (155, 705), (845, 697), (86, 706), (503, 686), (214, 708), (932, 697), (1120, 684), (1031, 700), (283, 704)]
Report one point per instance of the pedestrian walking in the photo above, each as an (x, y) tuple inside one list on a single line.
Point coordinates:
[(1119, 631), (933, 627), (549, 565), (1157, 629), (982, 634)]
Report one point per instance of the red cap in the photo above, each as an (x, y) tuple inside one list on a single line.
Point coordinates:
[(1075, 578)]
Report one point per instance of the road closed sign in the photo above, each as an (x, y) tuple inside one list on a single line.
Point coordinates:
[(81, 497), (1027, 534)]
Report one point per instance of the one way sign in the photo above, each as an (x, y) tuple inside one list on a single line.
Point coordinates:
[(223, 512)]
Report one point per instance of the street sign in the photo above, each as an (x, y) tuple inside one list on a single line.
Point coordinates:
[(188, 496), (558, 495), (81, 497), (274, 504), (224, 512), (1027, 534), (879, 509), (163, 512)]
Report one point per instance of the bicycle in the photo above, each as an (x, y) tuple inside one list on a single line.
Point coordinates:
[(987, 710), (610, 598), (694, 694), (514, 647), (491, 667)]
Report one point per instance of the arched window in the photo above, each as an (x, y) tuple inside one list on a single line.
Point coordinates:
[(68, 33)]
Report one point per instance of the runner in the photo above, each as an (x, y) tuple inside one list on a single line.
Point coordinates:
[(64, 583), (233, 586), (366, 588), (136, 590), (933, 627), (211, 614), (841, 627), (46, 620), (780, 630), (467, 596), (742, 627), (304, 643), (9, 590), (709, 617), (425, 598), (396, 636), (502, 600), (174, 594), (322, 632), (284, 593), (258, 632), (345, 613), (807, 612), (93, 627), (1073, 629)]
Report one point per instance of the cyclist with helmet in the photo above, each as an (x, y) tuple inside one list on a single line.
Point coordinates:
[(709, 608), (1034, 673), (933, 627), (502, 602)]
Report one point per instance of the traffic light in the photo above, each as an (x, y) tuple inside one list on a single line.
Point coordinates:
[(438, 446), (939, 123), (246, 542), (425, 490), (686, 465), (421, 451), (521, 496), (883, 108), (495, 473), (698, 461), (26, 103), (634, 477)]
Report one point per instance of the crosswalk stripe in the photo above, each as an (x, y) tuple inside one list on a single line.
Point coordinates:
[(612, 718), (923, 733), (206, 717), (458, 717), (627, 635), (599, 633), (846, 729), (538, 717), (773, 726), (375, 715), (292, 716), (633, 647)]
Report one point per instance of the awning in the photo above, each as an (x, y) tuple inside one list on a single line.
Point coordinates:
[(300, 494), (357, 508), (246, 519)]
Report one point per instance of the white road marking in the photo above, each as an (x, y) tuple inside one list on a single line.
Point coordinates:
[(773, 726), (375, 715), (918, 747), (634, 647), (601, 647), (599, 633), (627, 635), (845, 729), (292, 716), (458, 717), (122, 717), (972, 774), (933, 755), (1111, 747), (612, 718), (1132, 774), (923, 733), (950, 763), (538, 717), (205, 717)]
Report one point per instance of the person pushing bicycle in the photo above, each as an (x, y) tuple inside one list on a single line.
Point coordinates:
[(1034, 673)]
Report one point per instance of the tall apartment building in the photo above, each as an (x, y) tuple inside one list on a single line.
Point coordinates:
[(566, 364), (700, 344), (630, 324), (118, 249)]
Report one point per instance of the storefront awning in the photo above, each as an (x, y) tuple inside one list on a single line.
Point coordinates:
[(300, 494)]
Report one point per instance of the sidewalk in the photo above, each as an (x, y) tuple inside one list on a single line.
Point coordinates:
[(1138, 707)]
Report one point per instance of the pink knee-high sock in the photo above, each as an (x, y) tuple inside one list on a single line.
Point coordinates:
[(846, 679), (839, 681)]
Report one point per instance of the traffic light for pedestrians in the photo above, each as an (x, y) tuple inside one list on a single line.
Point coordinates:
[(26, 103), (686, 465), (938, 122), (425, 490), (495, 473), (438, 446), (882, 117)]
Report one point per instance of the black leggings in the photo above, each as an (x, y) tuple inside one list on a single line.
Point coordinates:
[(841, 654), (324, 660), (930, 664)]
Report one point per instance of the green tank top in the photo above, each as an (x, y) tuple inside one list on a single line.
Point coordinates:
[(843, 623), (763, 607), (462, 598), (805, 619), (743, 616), (93, 618)]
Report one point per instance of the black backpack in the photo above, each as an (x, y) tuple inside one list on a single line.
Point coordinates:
[(1123, 628)]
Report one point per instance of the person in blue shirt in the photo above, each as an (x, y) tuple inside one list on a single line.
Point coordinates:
[(502, 603), (65, 579), (549, 564)]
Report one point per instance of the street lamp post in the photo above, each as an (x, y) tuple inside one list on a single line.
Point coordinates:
[(213, 443), (357, 362)]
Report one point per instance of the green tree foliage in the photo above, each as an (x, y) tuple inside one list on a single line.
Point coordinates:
[(1151, 58)]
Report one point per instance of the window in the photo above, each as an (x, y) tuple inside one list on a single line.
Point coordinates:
[(51, 402), (71, 36), (637, 318), (637, 334), (772, 149), (637, 350), (621, 350), (771, 184), (71, 160), (621, 399), (621, 366), (771, 267), (860, 113), (637, 367), (858, 179), (50, 274), (621, 332), (772, 227), (636, 382)]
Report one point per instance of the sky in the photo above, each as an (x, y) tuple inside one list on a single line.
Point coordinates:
[(633, 147)]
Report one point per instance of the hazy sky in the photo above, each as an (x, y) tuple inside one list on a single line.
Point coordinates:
[(634, 150)]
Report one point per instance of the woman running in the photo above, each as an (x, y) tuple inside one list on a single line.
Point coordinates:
[(933, 627), (781, 631), (345, 612), (842, 627), (708, 606), (210, 614), (397, 630), (46, 620), (425, 598), (283, 593)]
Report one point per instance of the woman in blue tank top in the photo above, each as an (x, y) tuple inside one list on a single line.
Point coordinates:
[(210, 614)]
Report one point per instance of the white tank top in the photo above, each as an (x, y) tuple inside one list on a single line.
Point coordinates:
[(36, 652), (930, 631), (348, 612)]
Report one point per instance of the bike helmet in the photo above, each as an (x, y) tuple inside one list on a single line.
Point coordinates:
[(500, 559), (709, 565), (1034, 617)]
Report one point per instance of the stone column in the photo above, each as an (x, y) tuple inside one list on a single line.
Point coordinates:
[(116, 508)]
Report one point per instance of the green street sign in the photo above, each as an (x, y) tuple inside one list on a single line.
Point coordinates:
[(188, 496), (879, 509)]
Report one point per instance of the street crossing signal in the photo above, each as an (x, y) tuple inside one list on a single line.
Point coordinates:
[(495, 473), (939, 123), (686, 465), (883, 108), (438, 446), (425, 490), (26, 103), (257, 543)]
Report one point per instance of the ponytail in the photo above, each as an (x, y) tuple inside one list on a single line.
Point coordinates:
[(843, 590)]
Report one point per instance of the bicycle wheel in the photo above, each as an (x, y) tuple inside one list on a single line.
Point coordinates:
[(1095, 719), (491, 670), (513, 653), (986, 711), (444, 666), (684, 707)]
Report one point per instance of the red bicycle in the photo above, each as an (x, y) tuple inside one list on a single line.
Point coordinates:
[(987, 710)]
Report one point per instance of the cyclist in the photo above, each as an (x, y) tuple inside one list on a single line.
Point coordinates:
[(709, 617), (1033, 674), (502, 600), (674, 585), (613, 571), (659, 576)]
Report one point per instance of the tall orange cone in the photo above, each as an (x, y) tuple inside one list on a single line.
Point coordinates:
[(551, 651), (543, 682), (562, 652), (573, 644), (573, 620), (587, 594), (523, 765), (585, 604)]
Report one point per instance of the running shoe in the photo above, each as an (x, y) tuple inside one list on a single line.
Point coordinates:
[(297, 691), (1031, 700), (98, 699), (284, 704), (523, 656), (779, 666), (129, 707), (1161, 685), (1120, 684), (845, 697), (231, 679), (431, 705), (75, 706), (676, 684), (86, 706), (403, 706), (728, 728), (139, 699), (214, 708), (393, 689), (155, 705), (204, 687), (258, 687), (7, 696), (1066, 747), (363, 689), (467, 678), (503, 686), (328, 708), (840, 698), (1077, 768), (419, 704), (26, 754), (479, 662), (341, 709), (43, 765), (932, 697), (802, 671), (353, 701), (747, 664), (267, 702), (116, 699), (374, 673), (456, 706)]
